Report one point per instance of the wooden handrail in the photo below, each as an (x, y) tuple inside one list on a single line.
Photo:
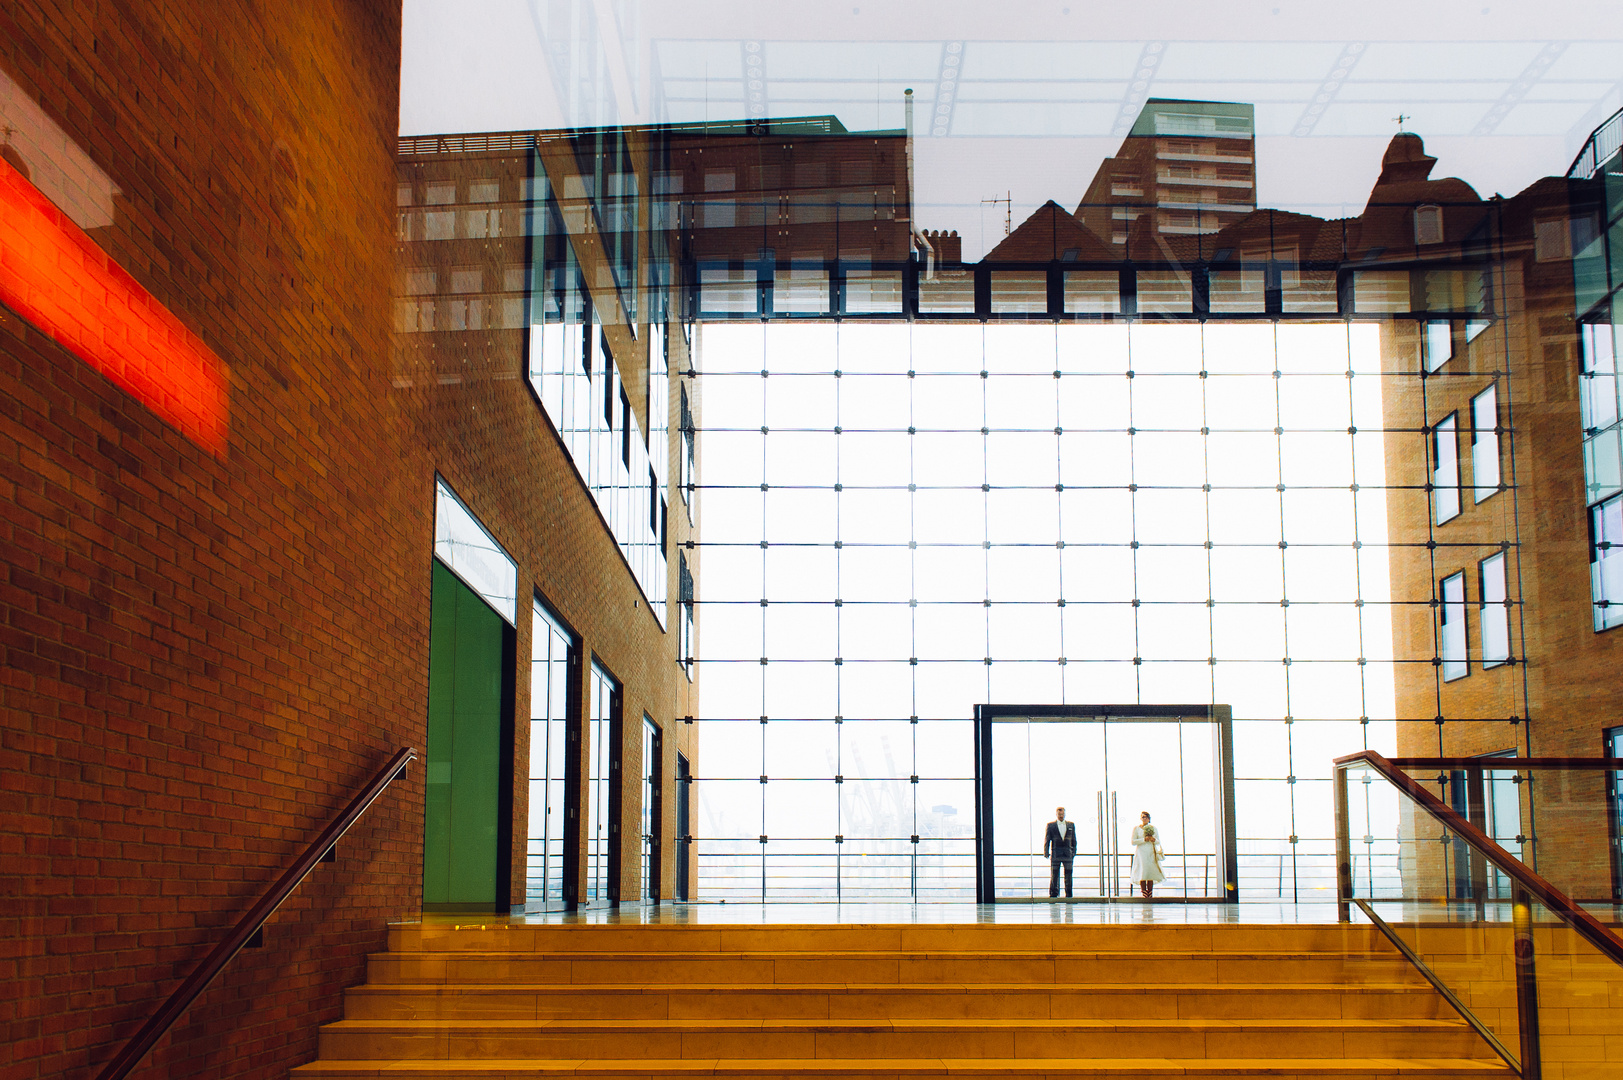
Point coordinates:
[(1587, 926), (195, 983), (1506, 764)]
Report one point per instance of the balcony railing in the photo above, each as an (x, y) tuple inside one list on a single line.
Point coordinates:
[(1487, 873)]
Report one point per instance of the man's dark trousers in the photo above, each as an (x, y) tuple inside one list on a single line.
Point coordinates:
[(1053, 877), (1059, 844)]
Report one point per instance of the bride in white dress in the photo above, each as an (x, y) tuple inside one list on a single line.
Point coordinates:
[(1146, 855)]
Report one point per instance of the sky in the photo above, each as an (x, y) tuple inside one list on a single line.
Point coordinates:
[(1022, 101)]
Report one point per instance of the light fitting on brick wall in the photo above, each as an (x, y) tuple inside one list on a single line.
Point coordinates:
[(55, 276)]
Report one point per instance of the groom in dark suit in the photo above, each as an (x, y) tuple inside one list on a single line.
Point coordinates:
[(1059, 844)]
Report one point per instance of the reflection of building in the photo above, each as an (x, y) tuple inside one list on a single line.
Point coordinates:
[(535, 260), (1185, 168)]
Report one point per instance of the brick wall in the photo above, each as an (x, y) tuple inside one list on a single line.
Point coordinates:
[(205, 655)]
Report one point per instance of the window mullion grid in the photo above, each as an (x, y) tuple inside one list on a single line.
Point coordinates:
[(1358, 551), (986, 517), (1059, 525), (913, 599), (1428, 438), (1284, 596), (1206, 503), (1508, 453), (839, 610), (1132, 498)]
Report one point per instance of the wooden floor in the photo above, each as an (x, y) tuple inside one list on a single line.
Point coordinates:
[(517, 998)]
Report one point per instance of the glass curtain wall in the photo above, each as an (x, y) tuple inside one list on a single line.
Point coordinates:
[(903, 520), (551, 661)]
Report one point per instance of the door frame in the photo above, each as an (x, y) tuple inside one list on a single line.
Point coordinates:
[(1220, 716)]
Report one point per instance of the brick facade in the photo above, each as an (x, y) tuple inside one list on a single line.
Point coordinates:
[(204, 656)]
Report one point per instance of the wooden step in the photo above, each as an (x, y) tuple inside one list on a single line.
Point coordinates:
[(882, 938), (643, 1001), (1184, 1040), (1430, 1068), (519, 999), (756, 968)]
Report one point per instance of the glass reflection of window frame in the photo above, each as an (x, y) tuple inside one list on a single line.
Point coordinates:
[(1445, 473), (1606, 561), (1438, 342), (1485, 461), (1493, 615), (1452, 632)]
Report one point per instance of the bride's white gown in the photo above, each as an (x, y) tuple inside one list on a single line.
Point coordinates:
[(1146, 867)]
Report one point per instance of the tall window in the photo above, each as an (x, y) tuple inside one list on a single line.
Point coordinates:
[(688, 472), (1495, 614), (1445, 476), (1439, 343), (1606, 562), (1603, 470), (552, 653), (1485, 443), (684, 644), (605, 693), (1451, 628), (652, 750)]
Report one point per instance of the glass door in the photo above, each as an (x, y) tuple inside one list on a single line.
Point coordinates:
[(1106, 767), (1042, 766)]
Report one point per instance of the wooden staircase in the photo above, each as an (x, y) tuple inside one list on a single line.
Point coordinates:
[(1061, 1001)]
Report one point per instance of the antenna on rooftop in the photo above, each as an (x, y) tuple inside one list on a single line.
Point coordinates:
[(1008, 210)]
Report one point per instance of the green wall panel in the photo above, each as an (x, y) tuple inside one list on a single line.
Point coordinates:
[(467, 706)]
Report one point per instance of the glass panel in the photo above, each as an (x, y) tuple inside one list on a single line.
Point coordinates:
[(1164, 292), (1019, 292), (1445, 476), (1380, 291), (1238, 291), (1485, 443), (1451, 627), (873, 291), (1092, 292), (1495, 611), (800, 292), (1455, 906), (550, 663), (464, 546), (1606, 562), (947, 294), (1439, 344)]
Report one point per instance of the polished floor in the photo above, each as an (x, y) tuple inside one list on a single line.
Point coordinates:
[(1079, 912)]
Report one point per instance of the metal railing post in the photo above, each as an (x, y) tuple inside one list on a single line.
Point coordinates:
[(1526, 985), (1099, 815), (1344, 875)]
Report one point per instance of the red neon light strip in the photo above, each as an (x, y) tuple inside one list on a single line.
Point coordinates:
[(56, 277)]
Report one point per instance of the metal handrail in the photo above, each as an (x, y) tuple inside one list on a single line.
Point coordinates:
[(195, 983), (1586, 925), (1437, 984)]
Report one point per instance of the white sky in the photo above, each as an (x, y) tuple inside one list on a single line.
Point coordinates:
[(1503, 93)]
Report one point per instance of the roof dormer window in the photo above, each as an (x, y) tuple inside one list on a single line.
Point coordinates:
[(1428, 224)]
